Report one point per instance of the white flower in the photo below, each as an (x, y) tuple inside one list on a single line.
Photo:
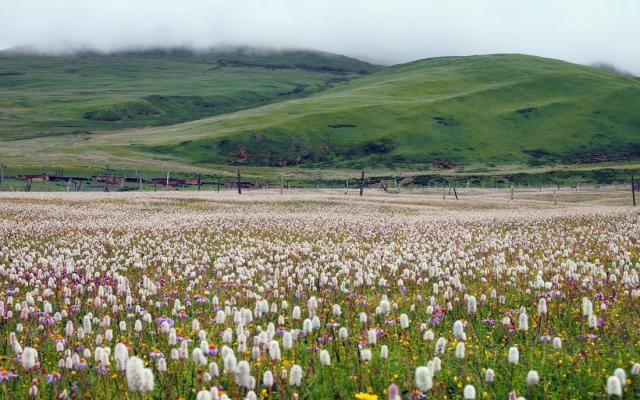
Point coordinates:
[(593, 321), (458, 329), (230, 363), (469, 392), (287, 341), (295, 376), (587, 307), (533, 378), (161, 364), (385, 307), (384, 352), (148, 380), (365, 354), (203, 395), (251, 395), (220, 317), (460, 350), (325, 358), (523, 322), (307, 326), (274, 350), (135, 374), (404, 321), (441, 345), (489, 375), (614, 386), (372, 336), (243, 374), (267, 378), (472, 305), (428, 335), (343, 333), (29, 358), (424, 378), (514, 355), (557, 343), (622, 375), (198, 357), (542, 306), (336, 311)]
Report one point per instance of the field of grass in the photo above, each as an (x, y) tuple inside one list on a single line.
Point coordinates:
[(461, 116), (318, 295), (77, 94), (462, 110)]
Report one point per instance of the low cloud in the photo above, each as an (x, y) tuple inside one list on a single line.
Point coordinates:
[(381, 31)]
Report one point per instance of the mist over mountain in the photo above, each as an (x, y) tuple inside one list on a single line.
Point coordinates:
[(374, 30)]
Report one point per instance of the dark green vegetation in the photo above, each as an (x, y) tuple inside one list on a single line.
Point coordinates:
[(498, 109), (76, 94)]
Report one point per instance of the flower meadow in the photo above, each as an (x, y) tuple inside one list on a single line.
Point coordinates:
[(316, 296)]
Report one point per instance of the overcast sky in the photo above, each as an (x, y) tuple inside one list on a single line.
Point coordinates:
[(381, 31)]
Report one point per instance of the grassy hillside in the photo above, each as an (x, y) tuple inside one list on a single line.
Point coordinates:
[(495, 109), (76, 94), (477, 114)]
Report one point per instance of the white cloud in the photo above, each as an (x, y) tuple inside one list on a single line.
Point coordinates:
[(382, 31)]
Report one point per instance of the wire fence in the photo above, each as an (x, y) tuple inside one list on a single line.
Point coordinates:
[(607, 186)]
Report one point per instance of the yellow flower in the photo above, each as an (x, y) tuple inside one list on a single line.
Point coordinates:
[(366, 396)]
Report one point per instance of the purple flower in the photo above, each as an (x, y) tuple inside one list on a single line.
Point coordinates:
[(156, 354), (161, 320), (53, 377), (47, 320), (489, 321), (100, 369), (587, 336), (211, 351), (6, 375)]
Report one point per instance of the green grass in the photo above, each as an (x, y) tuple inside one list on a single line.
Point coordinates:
[(75, 95), (480, 114), (496, 109)]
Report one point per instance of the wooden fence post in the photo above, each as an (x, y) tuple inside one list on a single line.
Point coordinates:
[(362, 183), (239, 189), (633, 189)]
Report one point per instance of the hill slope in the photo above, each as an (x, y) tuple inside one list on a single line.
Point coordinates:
[(74, 94), (513, 111), (494, 109)]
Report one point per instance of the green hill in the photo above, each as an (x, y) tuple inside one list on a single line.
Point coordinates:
[(478, 112), (494, 109), (44, 95)]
